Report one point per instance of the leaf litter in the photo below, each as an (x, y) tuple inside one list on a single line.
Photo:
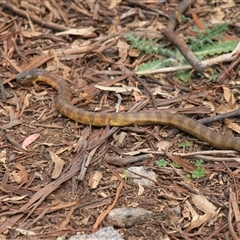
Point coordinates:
[(64, 183)]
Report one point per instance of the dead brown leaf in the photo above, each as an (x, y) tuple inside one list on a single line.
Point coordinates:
[(58, 165)]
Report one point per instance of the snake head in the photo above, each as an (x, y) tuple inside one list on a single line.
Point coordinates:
[(29, 76)]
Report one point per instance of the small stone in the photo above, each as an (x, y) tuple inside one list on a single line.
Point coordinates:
[(108, 233), (141, 171), (128, 216)]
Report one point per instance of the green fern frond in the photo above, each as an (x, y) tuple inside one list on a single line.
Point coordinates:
[(206, 38), (204, 46), (148, 46), (217, 48)]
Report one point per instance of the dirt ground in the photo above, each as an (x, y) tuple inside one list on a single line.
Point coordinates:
[(60, 177)]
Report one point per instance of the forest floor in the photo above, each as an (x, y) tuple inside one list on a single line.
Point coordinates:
[(60, 177)]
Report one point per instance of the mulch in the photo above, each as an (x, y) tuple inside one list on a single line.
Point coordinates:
[(59, 177)]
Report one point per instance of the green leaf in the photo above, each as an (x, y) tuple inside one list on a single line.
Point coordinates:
[(183, 75), (217, 48), (206, 37), (184, 144), (187, 177), (125, 175), (199, 163), (198, 173), (63, 237), (161, 163), (203, 46), (175, 165)]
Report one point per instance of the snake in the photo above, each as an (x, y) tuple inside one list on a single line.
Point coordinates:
[(120, 119)]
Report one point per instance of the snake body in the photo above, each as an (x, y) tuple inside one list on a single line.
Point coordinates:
[(66, 108)]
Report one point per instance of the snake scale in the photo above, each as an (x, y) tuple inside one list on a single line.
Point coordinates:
[(66, 108)]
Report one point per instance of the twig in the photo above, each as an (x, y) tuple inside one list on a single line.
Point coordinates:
[(119, 97), (184, 49), (126, 160), (85, 166), (235, 208), (14, 142), (234, 113), (154, 102), (105, 213), (230, 226), (224, 74), (209, 62), (40, 21), (178, 40), (180, 9), (216, 159), (2, 90), (202, 154)]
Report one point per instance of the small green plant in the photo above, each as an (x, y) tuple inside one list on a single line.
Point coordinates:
[(184, 144), (199, 163), (63, 237), (185, 19), (125, 175), (175, 165), (187, 177), (161, 163), (206, 37), (198, 173), (203, 46)]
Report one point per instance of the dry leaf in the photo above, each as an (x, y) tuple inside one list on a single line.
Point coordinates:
[(16, 177), (23, 174), (86, 32), (140, 189), (25, 232), (133, 153), (3, 156), (223, 108), (123, 48), (232, 125), (159, 91), (61, 150), (30, 139), (163, 145), (95, 179), (229, 97), (114, 4), (203, 205), (137, 97), (228, 4), (120, 138), (84, 221), (30, 34), (217, 16), (58, 165), (133, 52), (12, 199)]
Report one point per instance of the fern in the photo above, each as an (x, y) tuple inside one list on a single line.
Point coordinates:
[(217, 48), (148, 46), (206, 38), (203, 46)]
